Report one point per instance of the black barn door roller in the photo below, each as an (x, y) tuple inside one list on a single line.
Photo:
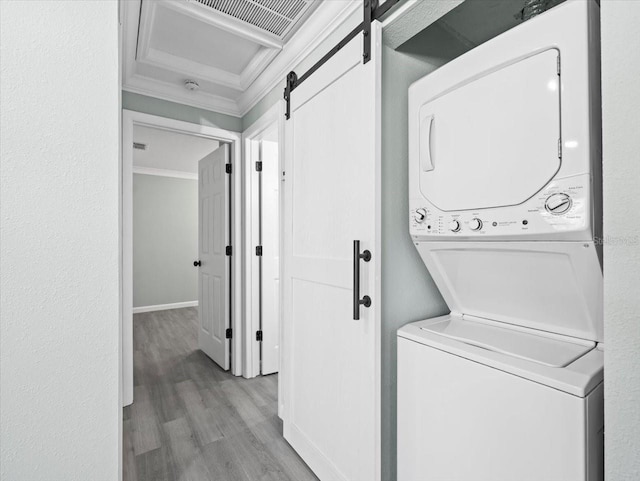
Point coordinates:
[(371, 12)]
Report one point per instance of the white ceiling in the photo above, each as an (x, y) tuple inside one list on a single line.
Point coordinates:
[(236, 50), (169, 151), (181, 35)]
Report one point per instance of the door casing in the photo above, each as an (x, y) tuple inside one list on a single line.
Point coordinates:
[(250, 137), (129, 120)]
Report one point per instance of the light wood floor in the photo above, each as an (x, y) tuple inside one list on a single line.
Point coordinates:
[(191, 420)]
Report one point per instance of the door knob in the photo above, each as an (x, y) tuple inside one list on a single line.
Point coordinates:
[(197, 263)]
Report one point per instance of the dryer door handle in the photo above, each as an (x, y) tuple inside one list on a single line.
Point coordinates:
[(426, 143)]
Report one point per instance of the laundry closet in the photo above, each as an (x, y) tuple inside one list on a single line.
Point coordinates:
[(505, 212)]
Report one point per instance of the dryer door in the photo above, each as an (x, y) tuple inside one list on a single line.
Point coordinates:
[(494, 140)]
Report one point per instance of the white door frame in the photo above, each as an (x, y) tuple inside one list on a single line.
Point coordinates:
[(275, 115), (129, 120)]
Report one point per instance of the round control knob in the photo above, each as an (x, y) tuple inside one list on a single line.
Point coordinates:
[(558, 204), (421, 215), (475, 224), (454, 226)]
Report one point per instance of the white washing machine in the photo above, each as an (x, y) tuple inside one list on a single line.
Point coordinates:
[(505, 200)]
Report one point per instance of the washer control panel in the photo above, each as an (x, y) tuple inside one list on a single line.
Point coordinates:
[(563, 206)]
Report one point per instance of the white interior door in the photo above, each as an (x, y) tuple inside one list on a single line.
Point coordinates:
[(331, 366), (270, 261), (213, 235)]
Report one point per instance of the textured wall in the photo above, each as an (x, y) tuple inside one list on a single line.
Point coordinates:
[(59, 247), (165, 240), (173, 110), (620, 20), (408, 292)]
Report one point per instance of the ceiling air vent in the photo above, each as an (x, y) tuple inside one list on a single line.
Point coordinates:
[(274, 16)]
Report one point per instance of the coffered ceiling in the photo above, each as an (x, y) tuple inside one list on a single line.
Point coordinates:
[(223, 46)]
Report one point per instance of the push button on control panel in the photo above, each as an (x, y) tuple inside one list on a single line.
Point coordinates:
[(558, 203)]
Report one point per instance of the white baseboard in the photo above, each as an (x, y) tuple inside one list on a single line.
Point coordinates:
[(164, 307)]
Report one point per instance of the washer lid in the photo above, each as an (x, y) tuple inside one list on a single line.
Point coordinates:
[(548, 286), (549, 349)]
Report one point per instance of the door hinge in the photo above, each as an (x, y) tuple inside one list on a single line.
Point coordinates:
[(259, 336), (228, 250), (228, 333), (259, 166), (259, 250), (227, 168)]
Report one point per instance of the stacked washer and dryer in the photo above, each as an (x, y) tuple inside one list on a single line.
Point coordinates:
[(505, 200)]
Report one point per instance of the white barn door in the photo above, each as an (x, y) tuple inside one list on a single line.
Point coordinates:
[(213, 276), (331, 363)]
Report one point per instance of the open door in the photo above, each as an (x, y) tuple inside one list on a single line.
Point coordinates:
[(331, 362), (213, 263)]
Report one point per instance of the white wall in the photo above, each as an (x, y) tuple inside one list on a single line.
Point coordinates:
[(621, 171), (165, 240), (59, 248)]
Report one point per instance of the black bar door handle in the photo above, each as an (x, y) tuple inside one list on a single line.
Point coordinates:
[(357, 301), (197, 263)]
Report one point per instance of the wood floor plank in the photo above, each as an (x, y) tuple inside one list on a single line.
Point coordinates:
[(257, 461), (223, 461), (269, 433), (253, 389), (193, 421), (228, 420), (166, 401), (190, 395), (128, 458), (144, 422), (201, 418), (153, 465), (242, 402), (186, 461)]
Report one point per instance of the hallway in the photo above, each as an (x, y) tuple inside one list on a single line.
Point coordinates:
[(193, 421)]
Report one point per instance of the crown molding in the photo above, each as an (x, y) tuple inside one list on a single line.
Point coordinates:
[(168, 91), (189, 68)]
